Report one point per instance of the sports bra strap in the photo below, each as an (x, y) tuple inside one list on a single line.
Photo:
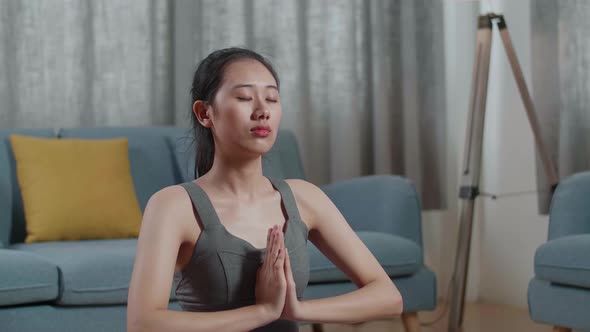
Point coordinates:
[(202, 204)]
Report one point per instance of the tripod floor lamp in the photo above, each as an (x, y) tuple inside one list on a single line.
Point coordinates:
[(470, 171)]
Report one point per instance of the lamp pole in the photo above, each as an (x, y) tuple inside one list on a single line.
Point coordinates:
[(470, 171)]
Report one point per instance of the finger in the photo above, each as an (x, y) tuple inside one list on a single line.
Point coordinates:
[(287, 262), (276, 240), (272, 250), (289, 272), (271, 247), (278, 266), (280, 242), (267, 257), (279, 238)]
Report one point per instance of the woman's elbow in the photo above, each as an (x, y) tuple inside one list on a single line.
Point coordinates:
[(138, 322), (396, 306), (135, 324)]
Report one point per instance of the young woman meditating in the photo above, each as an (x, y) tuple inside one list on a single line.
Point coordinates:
[(237, 238)]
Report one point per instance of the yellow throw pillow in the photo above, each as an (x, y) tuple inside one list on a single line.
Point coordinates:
[(75, 189)]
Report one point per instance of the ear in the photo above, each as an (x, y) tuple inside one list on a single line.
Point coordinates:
[(202, 111)]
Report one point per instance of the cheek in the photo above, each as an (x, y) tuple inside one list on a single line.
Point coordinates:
[(278, 111), (230, 114)]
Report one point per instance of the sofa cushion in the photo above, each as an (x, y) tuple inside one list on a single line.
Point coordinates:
[(12, 216), (565, 260), (398, 257), (26, 278), (64, 190), (150, 157), (91, 272)]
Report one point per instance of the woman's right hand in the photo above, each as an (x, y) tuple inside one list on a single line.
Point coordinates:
[(271, 285)]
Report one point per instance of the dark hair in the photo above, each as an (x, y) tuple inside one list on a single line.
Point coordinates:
[(206, 82)]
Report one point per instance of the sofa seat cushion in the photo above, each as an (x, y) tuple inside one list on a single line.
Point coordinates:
[(565, 260), (398, 257), (91, 272), (26, 278)]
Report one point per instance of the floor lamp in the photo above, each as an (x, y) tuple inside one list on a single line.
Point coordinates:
[(469, 189)]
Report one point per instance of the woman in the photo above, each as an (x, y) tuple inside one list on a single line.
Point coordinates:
[(237, 238)]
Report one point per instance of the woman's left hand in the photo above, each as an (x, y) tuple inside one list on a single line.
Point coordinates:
[(293, 307)]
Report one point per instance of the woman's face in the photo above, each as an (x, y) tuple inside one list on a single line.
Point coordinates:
[(248, 97)]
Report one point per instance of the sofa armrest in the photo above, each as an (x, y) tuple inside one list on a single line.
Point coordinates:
[(570, 212), (379, 203)]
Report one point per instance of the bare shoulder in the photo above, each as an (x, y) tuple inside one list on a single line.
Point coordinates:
[(309, 198), (169, 198), (302, 187), (170, 208)]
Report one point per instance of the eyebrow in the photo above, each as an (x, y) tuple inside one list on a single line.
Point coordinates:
[(252, 85)]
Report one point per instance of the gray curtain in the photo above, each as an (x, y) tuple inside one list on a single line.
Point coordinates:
[(560, 60), (85, 63), (362, 81)]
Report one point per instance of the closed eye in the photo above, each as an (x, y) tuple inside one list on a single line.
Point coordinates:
[(244, 98), (272, 100)]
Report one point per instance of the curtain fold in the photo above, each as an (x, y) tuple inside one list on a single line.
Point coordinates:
[(85, 63), (560, 60)]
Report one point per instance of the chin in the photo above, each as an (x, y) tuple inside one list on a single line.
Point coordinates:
[(258, 149)]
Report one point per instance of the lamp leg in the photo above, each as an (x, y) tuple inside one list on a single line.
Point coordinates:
[(470, 171), (316, 327), (411, 322)]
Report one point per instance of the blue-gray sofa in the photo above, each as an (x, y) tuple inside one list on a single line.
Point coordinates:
[(559, 294), (82, 285)]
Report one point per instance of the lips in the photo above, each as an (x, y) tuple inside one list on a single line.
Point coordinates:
[(260, 131), (267, 128)]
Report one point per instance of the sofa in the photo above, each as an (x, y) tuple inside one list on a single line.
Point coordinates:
[(559, 293), (82, 285)]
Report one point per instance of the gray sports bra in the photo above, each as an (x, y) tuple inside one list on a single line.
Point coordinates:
[(221, 274)]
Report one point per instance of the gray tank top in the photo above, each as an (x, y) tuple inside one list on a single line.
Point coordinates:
[(221, 274)]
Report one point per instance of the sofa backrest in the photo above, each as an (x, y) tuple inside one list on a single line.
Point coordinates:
[(570, 212), (158, 156)]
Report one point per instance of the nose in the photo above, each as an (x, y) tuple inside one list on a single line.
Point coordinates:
[(262, 113)]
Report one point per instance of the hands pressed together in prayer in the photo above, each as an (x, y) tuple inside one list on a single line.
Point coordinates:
[(275, 287)]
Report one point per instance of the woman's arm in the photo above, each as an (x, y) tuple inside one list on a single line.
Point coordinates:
[(164, 228), (377, 296)]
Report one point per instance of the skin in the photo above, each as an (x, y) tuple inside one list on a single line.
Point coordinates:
[(249, 207)]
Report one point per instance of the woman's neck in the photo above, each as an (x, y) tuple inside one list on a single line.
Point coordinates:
[(242, 179)]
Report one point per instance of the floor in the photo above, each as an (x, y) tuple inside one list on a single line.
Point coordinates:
[(478, 317)]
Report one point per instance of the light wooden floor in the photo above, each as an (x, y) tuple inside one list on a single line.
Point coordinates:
[(478, 318)]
